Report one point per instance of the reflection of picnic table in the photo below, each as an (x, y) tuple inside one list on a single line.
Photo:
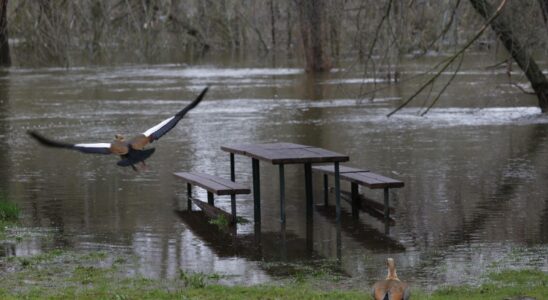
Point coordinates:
[(274, 246), (366, 235), (281, 154)]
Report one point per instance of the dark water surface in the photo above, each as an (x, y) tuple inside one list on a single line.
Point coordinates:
[(475, 169)]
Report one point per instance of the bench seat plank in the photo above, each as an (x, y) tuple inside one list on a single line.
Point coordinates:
[(213, 184), (372, 180), (361, 176)]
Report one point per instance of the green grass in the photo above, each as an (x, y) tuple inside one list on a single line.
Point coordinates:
[(9, 212), (509, 284), (9, 215), (221, 221), (70, 275)]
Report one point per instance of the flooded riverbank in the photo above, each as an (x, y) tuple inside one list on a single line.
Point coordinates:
[(475, 194)]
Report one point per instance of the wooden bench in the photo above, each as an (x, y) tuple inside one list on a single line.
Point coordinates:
[(214, 186), (360, 177)]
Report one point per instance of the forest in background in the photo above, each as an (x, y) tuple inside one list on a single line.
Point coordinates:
[(314, 34), (61, 32)]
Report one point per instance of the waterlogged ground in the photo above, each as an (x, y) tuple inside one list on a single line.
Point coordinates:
[(474, 169)]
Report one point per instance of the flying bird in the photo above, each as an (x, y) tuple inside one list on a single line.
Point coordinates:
[(131, 151), (391, 288)]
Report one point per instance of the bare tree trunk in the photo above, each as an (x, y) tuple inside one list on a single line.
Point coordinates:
[(544, 9), (312, 28), (5, 58), (289, 27), (518, 51), (273, 24)]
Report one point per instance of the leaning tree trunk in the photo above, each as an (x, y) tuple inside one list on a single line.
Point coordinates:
[(520, 54), (312, 32), (5, 58), (544, 10)]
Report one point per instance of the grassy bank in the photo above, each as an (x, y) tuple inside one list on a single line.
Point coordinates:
[(97, 275)]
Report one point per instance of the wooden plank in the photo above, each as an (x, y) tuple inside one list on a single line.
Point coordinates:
[(237, 188), (237, 149), (307, 155), (286, 153), (330, 169), (211, 184), (279, 146), (372, 180), (212, 211)]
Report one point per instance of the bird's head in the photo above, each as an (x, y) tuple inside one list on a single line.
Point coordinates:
[(391, 269), (119, 137)]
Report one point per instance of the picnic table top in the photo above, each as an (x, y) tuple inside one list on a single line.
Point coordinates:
[(286, 153)]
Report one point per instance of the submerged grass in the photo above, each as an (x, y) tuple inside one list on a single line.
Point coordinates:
[(67, 275), (9, 212), (9, 215)]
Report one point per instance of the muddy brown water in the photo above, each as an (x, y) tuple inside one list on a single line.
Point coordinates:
[(475, 172)]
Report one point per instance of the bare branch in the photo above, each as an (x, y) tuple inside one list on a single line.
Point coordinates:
[(454, 57), (445, 86)]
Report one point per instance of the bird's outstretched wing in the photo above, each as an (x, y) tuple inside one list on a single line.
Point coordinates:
[(98, 148), (165, 126)]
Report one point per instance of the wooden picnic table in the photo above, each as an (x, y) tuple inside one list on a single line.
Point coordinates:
[(281, 154)]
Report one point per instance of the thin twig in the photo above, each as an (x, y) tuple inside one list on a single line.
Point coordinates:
[(453, 58), (445, 86)]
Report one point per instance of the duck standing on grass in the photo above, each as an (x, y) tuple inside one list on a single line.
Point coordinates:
[(391, 288), (131, 151)]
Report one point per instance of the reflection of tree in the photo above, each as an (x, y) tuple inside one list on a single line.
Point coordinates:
[(5, 58), (500, 199), (4, 102), (544, 223)]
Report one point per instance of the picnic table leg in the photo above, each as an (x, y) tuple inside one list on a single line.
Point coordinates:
[(256, 192), (325, 190), (338, 191), (386, 204), (308, 188), (309, 235), (339, 243), (188, 197), (210, 199), (355, 199), (284, 242), (232, 197), (282, 194)]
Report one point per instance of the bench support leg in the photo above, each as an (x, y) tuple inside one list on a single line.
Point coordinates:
[(386, 204), (355, 199), (256, 193), (338, 191), (282, 193), (232, 197), (308, 189), (210, 199), (325, 190), (189, 196)]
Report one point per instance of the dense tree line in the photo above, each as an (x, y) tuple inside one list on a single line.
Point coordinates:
[(44, 30), (324, 33)]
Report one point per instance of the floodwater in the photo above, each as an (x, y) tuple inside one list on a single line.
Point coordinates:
[(475, 172)]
